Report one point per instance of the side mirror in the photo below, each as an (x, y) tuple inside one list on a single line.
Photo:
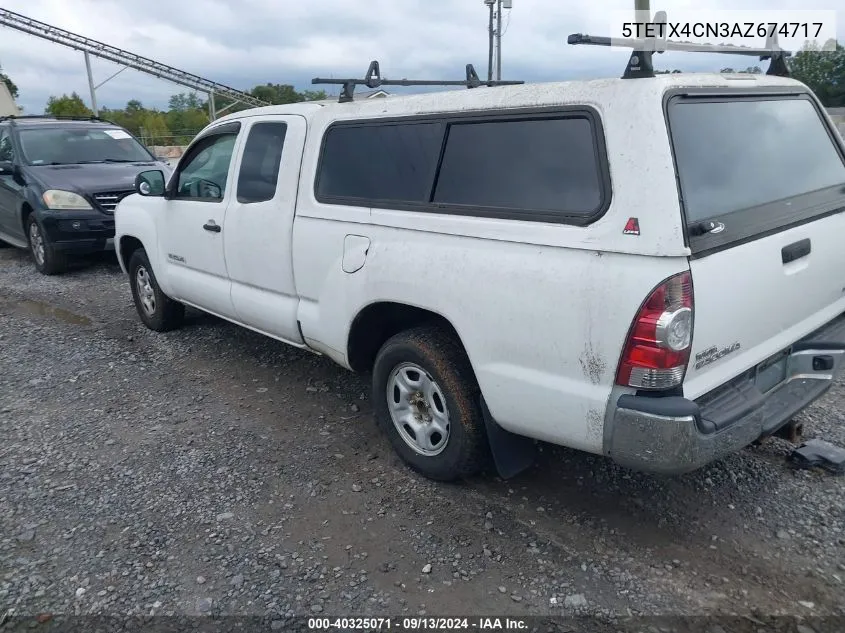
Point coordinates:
[(7, 168), (150, 183)]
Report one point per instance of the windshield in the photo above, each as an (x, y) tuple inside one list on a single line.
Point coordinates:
[(735, 155), (69, 146)]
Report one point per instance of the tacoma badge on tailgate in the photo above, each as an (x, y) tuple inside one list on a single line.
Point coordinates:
[(712, 354)]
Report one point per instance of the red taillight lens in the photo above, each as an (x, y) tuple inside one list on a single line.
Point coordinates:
[(658, 347)]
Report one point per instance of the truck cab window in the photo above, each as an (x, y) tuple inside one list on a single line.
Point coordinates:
[(203, 176)]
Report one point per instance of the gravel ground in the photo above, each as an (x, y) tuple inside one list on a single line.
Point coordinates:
[(214, 471)]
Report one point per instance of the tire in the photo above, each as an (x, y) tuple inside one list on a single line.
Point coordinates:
[(157, 311), (433, 361), (47, 260)]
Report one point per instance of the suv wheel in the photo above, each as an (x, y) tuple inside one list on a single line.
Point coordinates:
[(425, 398), (48, 261), (158, 311)]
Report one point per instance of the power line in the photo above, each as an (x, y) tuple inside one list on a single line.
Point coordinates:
[(508, 25)]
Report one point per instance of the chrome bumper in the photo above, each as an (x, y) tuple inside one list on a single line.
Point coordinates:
[(675, 435)]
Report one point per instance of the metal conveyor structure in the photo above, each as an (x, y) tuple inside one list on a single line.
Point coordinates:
[(127, 60)]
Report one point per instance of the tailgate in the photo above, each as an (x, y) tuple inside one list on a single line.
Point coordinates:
[(762, 182)]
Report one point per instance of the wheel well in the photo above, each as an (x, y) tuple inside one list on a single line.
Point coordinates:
[(378, 322), (129, 245)]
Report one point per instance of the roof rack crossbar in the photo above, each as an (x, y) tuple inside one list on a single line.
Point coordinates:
[(640, 62), (373, 80), (56, 117)]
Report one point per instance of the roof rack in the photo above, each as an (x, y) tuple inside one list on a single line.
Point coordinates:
[(373, 80), (640, 62), (56, 118)]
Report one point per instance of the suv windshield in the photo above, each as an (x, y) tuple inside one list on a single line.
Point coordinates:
[(67, 146), (733, 155)]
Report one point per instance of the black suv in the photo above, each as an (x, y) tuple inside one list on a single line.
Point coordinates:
[(60, 181)]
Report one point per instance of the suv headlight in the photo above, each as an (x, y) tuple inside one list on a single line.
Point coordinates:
[(58, 200)]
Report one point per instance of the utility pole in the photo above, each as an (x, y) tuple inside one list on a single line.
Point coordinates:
[(499, 41), (490, 56), (642, 10), (494, 30), (491, 37)]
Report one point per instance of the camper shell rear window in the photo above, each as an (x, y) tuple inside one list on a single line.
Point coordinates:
[(751, 165)]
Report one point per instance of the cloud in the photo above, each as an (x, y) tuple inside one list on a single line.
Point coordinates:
[(246, 42)]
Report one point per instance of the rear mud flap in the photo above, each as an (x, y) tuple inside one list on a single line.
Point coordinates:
[(512, 454)]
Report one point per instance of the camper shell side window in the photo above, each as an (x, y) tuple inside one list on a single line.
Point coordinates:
[(547, 165)]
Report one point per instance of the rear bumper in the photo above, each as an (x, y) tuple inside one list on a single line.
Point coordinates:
[(675, 435)]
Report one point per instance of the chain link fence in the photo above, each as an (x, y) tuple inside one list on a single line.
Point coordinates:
[(170, 138)]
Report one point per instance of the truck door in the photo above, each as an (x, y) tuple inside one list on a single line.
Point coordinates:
[(259, 224), (192, 237)]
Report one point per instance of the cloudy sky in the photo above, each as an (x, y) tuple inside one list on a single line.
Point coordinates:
[(245, 42)]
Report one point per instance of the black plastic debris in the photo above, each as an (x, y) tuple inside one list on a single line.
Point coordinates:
[(820, 454)]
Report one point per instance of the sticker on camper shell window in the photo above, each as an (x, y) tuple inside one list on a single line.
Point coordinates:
[(632, 227)]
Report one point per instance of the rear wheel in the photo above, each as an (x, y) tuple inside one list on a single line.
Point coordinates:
[(48, 261), (425, 398), (157, 311)]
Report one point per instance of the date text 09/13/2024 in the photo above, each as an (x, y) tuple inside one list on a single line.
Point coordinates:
[(418, 624)]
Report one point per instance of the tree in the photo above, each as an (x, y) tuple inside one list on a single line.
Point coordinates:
[(277, 94), (274, 94), (13, 89), (185, 122), (751, 70), (185, 101), (68, 106), (132, 116), (320, 95), (153, 129), (822, 70), (185, 116)]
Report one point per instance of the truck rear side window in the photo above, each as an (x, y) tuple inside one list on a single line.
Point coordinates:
[(261, 161), (735, 155), (380, 162), (539, 165)]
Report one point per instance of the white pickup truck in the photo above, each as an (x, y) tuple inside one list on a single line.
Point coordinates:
[(647, 269)]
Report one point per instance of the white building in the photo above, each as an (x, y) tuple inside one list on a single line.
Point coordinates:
[(375, 94), (7, 104)]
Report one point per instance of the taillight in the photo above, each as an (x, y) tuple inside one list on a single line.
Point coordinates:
[(658, 347)]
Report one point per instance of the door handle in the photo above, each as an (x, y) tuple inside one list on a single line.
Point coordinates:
[(212, 226), (795, 251)]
